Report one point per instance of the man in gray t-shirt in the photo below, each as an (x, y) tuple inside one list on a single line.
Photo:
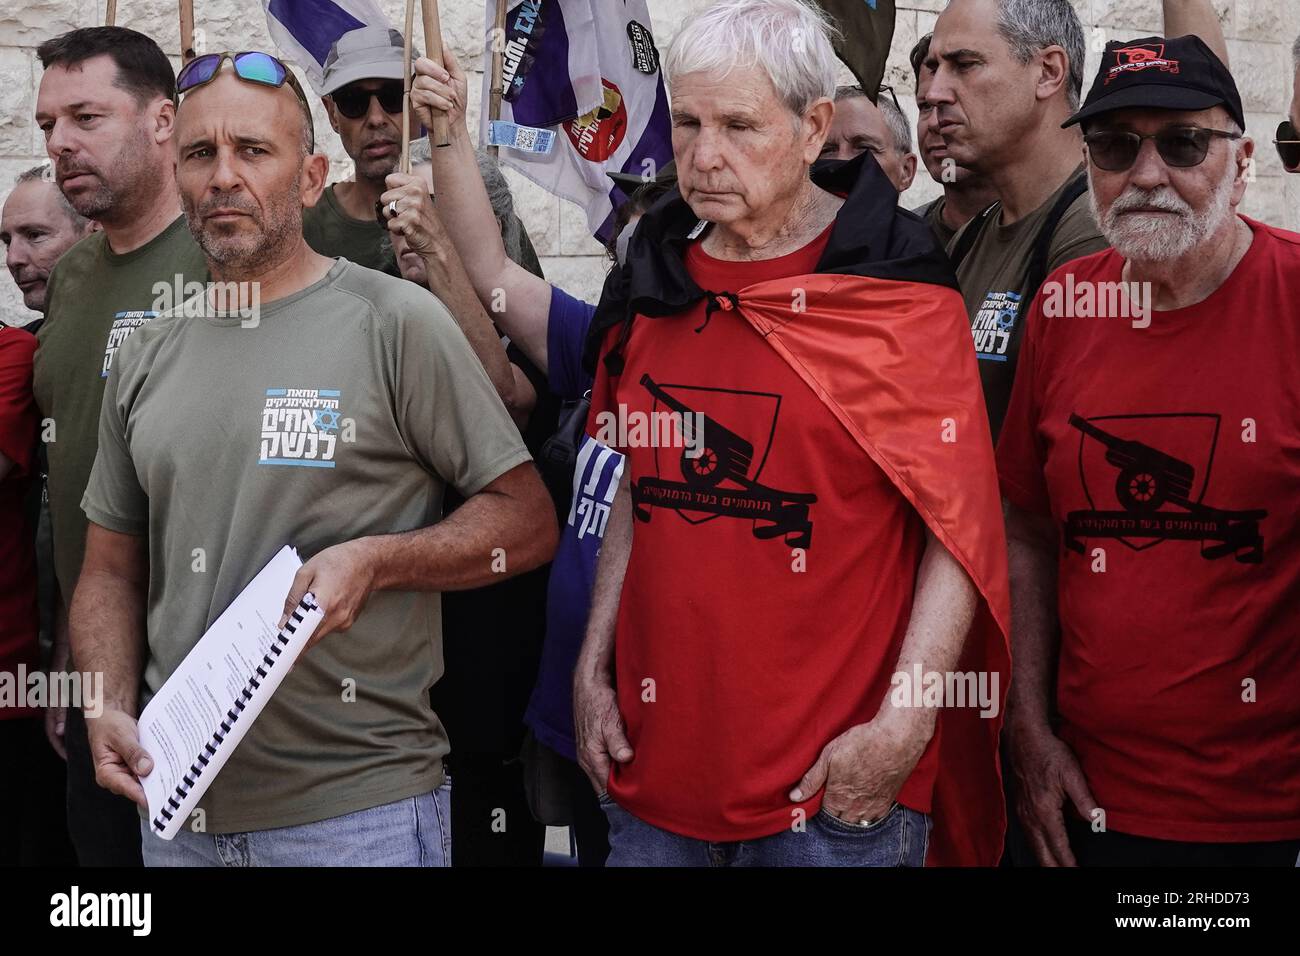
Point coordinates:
[(330, 417)]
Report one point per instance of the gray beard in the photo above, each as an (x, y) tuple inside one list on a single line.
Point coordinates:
[(1154, 238)]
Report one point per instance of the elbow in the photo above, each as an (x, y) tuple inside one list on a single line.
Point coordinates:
[(540, 530)]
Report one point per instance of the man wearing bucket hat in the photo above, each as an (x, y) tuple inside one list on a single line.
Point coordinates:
[(362, 93), (1152, 431)]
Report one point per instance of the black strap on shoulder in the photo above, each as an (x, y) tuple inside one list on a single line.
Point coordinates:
[(966, 240), (1043, 241)]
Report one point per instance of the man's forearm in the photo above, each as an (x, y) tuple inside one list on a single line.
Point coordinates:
[(1196, 17), (596, 657), (516, 300), (448, 280), (106, 631), (494, 535), (942, 610), (1034, 630)]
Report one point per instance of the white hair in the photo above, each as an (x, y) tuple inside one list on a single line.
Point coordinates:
[(790, 40), (900, 128)]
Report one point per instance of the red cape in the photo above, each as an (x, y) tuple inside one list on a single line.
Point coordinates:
[(892, 360)]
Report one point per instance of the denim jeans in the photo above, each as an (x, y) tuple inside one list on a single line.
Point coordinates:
[(411, 832), (900, 838)]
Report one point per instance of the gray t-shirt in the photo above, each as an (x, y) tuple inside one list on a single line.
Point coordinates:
[(341, 414)]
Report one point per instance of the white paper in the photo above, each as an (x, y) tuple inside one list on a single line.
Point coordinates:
[(180, 722)]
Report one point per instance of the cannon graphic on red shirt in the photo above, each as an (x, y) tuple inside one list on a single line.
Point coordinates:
[(1148, 479), (713, 454)]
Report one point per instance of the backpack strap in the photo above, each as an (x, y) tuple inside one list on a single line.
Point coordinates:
[(966, 239), (1043, 241)]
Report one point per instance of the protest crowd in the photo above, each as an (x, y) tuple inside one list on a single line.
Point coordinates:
[(833, 533)]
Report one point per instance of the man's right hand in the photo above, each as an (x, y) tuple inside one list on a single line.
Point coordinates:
[(1047, 775), (117, 755), (599, 730), (439, 91)]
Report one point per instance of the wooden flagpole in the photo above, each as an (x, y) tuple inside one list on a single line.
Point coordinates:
[(406, 87), (439, 135), (498, 64), (110, 14), (187, 31)]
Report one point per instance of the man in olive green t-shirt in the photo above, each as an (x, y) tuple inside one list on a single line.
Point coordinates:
[(362, 80), (1000, 107), (119, 171), (332, 421)]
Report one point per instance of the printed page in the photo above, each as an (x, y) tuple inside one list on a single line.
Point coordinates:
[(180, 722)]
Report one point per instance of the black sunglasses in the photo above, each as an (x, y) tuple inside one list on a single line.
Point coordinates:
[(1116, 150), (353, 101), (251, 66), (1287, 142), (892, 95)]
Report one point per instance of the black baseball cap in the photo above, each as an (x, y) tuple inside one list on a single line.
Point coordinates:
[(1169, 73)]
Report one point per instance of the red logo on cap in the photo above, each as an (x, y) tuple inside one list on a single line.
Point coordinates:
[(1130, 58)]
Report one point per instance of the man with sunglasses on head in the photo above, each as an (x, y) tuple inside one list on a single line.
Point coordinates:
[(1149, 469), (106, 108), (881, 127), (363, 99), (207, 422)]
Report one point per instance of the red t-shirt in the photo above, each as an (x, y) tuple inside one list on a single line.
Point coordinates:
[(1179, 674), (19, 621), (770, 615)]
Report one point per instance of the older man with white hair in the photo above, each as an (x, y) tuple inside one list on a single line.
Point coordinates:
[(819, 526), (880, 128), (1153, 431)]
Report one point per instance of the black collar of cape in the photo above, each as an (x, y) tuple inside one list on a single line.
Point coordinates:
[(872, 236)]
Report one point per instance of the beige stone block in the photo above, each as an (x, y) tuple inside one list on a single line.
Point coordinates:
[(580, 276)]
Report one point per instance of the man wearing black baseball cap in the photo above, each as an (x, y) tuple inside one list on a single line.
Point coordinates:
[(1152, 431)]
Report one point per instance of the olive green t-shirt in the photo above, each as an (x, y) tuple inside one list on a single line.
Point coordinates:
[(932, 213), (993, 278), (332, 232), (96, 299), (342, 413)]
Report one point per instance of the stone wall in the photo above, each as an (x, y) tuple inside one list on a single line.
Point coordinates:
[(1259, 33)]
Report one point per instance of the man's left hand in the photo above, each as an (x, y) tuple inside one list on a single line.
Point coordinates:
[(864, 768), (341, 579), (414, 218)]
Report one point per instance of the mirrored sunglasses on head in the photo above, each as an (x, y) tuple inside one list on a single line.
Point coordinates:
[(251, 66), (353, 100), (1116, 150), (1287, 142)]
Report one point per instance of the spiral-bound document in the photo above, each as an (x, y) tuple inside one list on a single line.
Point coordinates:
[(201, 713)]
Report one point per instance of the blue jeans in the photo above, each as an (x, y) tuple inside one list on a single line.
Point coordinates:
[(900, 838), (411, 832)]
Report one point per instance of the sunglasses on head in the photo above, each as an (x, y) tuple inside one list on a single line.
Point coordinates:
[(251, 66), (892, 95), (1287, 142), (1116, 150), (353, 101)]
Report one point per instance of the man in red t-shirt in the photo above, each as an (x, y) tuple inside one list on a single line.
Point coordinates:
[(1151, 465), (21, 724), (783, 552)]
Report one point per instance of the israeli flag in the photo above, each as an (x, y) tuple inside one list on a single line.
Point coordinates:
[(583, 95), (304, 30)]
